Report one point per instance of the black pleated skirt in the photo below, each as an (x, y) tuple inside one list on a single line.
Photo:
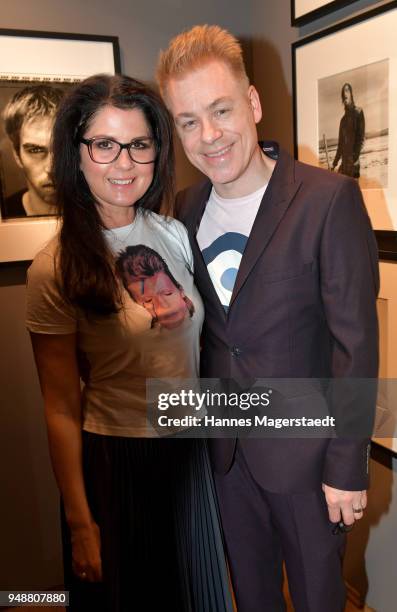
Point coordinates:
[(161, 542)]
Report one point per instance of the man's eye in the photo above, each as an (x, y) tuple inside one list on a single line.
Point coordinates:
[(221, 112), (187, 125), (36, 150)]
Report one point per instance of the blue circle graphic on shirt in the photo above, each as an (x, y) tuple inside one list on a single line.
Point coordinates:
[(226, 242), (228, 278)]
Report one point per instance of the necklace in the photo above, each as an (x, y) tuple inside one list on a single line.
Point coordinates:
[(118, 236)]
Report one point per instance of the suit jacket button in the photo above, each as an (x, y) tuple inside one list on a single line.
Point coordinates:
[(236, 351)]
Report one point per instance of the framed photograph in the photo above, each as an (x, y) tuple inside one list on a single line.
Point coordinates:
[(345, 96), (385, 428), (36, 70), (304, 11)]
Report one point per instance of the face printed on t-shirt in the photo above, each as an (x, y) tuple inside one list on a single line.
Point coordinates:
[(150, 283)]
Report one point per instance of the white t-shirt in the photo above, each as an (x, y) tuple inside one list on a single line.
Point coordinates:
[(155, 334), (222, 236)]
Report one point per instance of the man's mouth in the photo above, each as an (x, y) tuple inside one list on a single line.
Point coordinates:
[(219, 153), (121, 181)]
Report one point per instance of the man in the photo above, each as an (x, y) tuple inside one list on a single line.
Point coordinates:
[(148, 280), (351, 135), (28, 119), (286, 262)]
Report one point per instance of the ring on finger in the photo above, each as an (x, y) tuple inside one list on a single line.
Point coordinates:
[(357, 510)]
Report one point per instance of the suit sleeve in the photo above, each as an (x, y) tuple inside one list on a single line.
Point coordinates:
[(349, 287)]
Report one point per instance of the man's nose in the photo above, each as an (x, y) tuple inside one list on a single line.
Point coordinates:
[(48, 163), (210, 131)]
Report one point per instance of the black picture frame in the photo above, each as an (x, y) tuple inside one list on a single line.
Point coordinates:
[(113, 40), (386, 237), (58, 59), (387, 244), (325, 9)]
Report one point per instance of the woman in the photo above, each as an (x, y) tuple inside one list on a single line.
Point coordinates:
[(140, 519)]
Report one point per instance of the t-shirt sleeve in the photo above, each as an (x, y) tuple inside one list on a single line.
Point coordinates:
[(183, 239), (47, 311)]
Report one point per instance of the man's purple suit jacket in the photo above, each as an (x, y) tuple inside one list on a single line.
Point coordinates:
[(303, 306)]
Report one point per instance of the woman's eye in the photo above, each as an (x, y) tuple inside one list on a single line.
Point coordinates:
[(104, 144), (139, 144)]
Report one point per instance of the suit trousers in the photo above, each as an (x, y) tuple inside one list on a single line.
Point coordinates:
[(262, 529)]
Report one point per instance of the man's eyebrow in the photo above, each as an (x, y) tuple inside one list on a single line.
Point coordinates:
[(221, 100), (185, 114), (211, 106), (34, 144)]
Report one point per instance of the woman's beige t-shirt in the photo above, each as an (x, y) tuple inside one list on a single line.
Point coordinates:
[(122, 350)]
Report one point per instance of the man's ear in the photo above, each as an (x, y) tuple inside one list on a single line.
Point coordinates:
[(255, 103)]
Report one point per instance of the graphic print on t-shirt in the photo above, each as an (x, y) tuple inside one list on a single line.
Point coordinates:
[(222, 258), (223, 235), (150, 283)]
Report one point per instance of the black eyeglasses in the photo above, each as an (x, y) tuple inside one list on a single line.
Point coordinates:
[(107, 150)]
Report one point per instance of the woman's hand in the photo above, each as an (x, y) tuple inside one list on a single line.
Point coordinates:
[(86, 552), (60, 384)]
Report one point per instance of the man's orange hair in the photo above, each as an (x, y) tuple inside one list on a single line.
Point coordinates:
[(193, 48)]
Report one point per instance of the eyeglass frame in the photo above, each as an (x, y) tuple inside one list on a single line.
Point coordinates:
[(127, 145)]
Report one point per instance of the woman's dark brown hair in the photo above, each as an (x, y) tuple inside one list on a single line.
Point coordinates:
[(85, 262)]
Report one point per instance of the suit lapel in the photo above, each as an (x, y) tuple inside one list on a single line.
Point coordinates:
[(204, 281), (196, 207), (278, 196)]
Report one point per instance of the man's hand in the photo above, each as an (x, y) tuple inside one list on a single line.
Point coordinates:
[(347, 506)]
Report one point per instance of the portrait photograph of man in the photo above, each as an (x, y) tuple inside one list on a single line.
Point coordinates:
[(27, 116)]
